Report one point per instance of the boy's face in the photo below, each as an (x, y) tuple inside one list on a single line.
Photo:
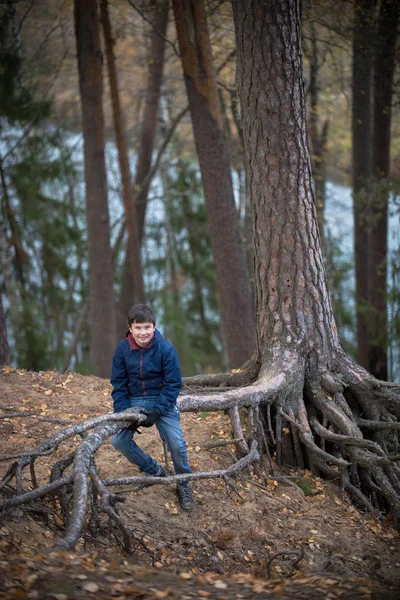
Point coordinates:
[(142, 333)]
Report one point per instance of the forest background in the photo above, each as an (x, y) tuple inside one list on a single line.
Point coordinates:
[(44, 250)]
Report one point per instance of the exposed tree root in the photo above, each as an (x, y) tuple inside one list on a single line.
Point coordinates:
[(332, 421), (332, 417), (81, 494)]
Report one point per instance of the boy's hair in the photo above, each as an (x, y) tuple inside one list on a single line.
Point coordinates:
[(140, 313)]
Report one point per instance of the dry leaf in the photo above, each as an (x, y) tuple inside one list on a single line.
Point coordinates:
[(91, 587), (220, 585)]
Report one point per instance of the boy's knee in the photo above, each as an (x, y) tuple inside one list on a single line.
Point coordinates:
[(178, 446), (117, 441)]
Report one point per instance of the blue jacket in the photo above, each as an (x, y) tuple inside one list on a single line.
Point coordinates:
[(146, 372)]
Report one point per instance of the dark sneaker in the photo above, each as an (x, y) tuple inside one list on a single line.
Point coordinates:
[(185, 497), (160, 473)]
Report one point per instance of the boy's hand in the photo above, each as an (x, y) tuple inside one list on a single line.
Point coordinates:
[(151, 417)]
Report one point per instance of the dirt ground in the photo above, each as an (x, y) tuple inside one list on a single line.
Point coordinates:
[(221, 550)]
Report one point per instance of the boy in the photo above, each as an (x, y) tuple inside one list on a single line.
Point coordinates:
[(146, 373)]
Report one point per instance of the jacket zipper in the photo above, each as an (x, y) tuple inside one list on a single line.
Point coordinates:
[(141, 372)]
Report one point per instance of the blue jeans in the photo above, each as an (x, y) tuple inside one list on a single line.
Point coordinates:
[(169, 428)]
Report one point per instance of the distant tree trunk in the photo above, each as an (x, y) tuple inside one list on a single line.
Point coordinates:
[(4, 348), (318, 136), (205, 108), (130, 216), (90, 62), (146, 148), (363, 33), (377, 268)]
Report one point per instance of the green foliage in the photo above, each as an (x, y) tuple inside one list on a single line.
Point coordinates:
[(306, 485)]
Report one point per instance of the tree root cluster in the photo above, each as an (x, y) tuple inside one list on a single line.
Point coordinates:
[(340, 423), (336, 420)]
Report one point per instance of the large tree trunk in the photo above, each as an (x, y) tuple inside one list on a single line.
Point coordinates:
[(377, 257), (310, 393), (292, 301), (135, 261), (205, 109), (363, 33), (146, 148), (90, 63)]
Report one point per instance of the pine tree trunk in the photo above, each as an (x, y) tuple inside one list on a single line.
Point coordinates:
[(292, 302), (212, 151), (307, 395), (130, 215), (362, 160), (377, 267), (90, 63), (146, 148)]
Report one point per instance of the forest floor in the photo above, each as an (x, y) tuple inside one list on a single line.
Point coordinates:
[(220, 550)]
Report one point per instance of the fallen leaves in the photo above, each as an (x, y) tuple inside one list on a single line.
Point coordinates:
[(171, 507), (221, 529)]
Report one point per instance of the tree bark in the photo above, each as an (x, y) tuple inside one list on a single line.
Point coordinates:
[(292, 301), (313, 387), (90, 63), (205, 108), (363, 33), (384, 64), (130, 216), (146, 148)]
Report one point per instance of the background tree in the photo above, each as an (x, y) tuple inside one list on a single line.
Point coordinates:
[(90, 61), (4, 349), (206, 114), (146, 146), (384, 65), (133, 244), (363, 33)]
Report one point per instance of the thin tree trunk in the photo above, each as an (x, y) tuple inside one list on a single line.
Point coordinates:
[(4, 348), (90, 63), (75, 338), (362, 160), (205, 108), (146, 148), (130, 217), (377, 257)]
